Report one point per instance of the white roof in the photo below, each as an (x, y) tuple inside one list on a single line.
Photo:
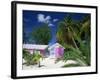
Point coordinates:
[(34, 46), (54, 45)]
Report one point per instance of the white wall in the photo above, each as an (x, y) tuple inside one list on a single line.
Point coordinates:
[(5, 37)]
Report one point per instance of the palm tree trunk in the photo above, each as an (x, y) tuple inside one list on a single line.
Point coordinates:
[(39, 65), (73, 39)]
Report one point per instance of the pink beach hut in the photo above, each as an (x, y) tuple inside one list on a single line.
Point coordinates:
[(33, 47), (56, 50), (59, 51)]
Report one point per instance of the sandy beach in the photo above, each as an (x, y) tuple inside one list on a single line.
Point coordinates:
[(47, 63)]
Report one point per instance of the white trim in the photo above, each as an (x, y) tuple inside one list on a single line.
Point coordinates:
[(56, 44), (34, 46)]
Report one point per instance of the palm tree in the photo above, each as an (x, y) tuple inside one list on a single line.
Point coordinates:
[(37, 57), (85, 34), (66, 33), (70, 36)]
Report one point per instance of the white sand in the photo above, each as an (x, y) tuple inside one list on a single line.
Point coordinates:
[(48, 63)]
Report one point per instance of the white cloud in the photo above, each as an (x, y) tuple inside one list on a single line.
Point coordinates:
[(55, 20), (42, 18), (46, 19), (50, 24)]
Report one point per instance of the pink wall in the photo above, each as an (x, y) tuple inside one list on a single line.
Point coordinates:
[(41, 51), (59, 52)]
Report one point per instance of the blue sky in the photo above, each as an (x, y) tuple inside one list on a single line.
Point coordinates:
[(33, 19)]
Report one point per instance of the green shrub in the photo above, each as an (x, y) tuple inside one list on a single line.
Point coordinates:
[(31, 59)]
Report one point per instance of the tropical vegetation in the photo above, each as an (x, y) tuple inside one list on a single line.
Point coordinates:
[(75, 37), (32, 59), (42, 34)]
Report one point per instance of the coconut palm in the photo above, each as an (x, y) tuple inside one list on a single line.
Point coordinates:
[(37, 57), (70, 35), (66, 31)]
